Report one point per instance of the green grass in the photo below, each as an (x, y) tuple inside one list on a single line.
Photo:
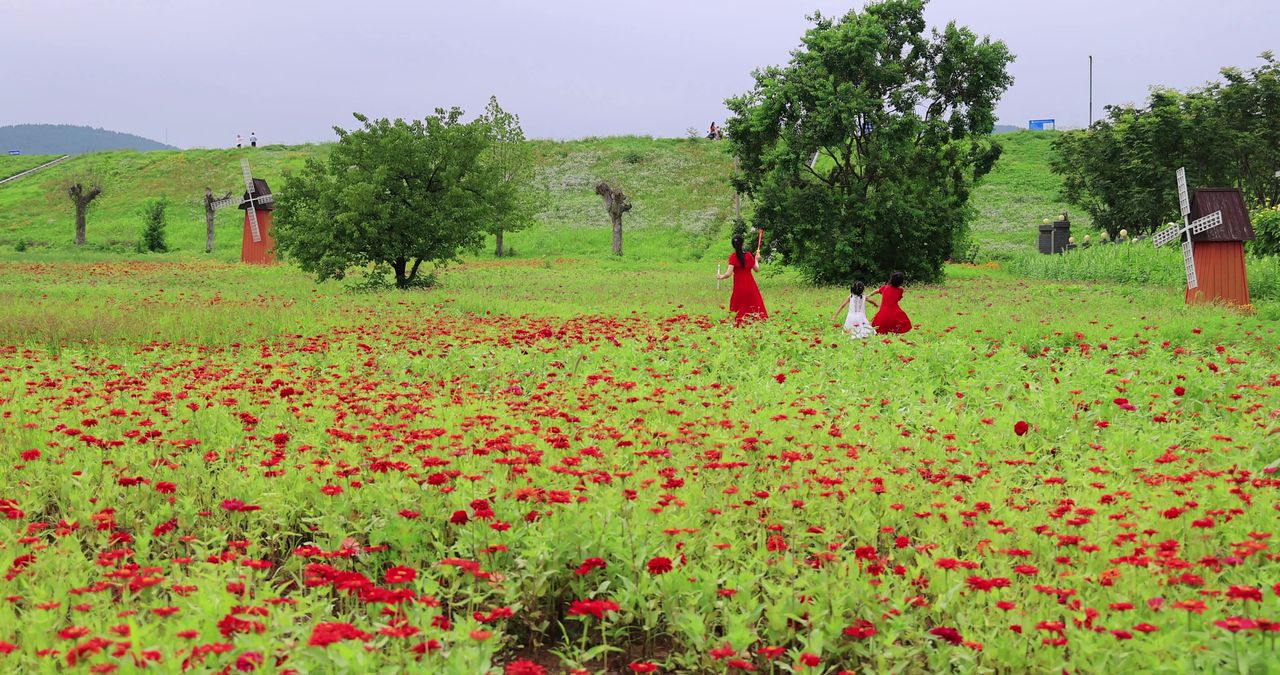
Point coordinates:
[(11, 165), (1137, 264), (1018, 194)]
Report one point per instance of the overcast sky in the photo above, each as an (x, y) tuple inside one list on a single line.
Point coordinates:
[(196, 73)]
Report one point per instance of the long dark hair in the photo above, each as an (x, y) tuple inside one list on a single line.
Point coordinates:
[(896, 279), (737, 248), (857, 288)]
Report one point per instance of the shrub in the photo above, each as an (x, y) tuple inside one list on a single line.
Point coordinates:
[(1266, 227), (153, 214), (20, 246)]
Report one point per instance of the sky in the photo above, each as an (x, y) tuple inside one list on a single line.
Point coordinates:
[(194, 74)]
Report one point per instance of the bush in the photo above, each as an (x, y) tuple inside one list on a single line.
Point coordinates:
[(20, 246), (1266, 227), (153, 215)]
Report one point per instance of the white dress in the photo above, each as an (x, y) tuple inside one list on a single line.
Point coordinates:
[(856, 324)]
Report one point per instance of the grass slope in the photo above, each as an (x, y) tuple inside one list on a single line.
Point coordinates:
[(682, 201), (1018, 194), (11, 165)]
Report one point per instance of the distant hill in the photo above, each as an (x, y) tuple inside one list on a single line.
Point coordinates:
[(66, 139)]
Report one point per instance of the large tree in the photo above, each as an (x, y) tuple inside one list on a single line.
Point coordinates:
[(861, 152), (515, 201), (392, 195)]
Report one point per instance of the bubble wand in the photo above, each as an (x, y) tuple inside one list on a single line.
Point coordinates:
[(759, 241), (717, 276)]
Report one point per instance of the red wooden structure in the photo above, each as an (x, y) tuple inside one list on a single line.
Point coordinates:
[(1219, 252), (258, 252)]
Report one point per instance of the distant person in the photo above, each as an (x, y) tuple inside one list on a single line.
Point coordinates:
[(745, 300), (856, 324), (239, 141), (253, 140), (890, 318), (714, 132)]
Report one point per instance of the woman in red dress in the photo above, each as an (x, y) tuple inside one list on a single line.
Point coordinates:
[(890, 318), (746, 300)]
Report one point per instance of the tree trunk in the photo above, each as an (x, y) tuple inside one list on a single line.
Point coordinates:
[(399, 265), (615, 202), (497, 253), (81, 208)]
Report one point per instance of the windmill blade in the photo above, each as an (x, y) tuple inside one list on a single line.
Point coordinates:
[(222, 203), (252, 213), (1206, 223), (1167, 235), (1189, 262), (248, 178), (265, 199)]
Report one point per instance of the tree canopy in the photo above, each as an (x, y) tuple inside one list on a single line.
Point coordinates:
[(392, 195), (515, 202), (861, 152), (1121, 170)]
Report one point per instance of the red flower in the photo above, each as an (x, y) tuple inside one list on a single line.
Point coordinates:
[(810, 660), (595, 608), (659, 565), (949, 634), (1179, 391), (1021, 428), (590, 564), (400, 575), (523, 667), (459, 518), (642, 667), (325, 634), (860, 630)]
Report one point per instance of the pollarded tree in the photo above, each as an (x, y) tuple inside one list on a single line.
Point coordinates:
[(392, 195), (515, 200), (861, 152), (82, 192)]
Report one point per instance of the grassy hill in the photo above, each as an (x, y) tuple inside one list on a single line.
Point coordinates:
[(683, 204), (15, 164)]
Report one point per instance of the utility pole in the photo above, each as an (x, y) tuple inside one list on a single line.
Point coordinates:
[(1091, 90)]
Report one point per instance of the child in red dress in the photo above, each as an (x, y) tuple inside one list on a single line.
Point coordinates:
[(745, 301), (890, 318)]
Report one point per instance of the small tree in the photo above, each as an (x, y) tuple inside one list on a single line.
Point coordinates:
[(515, 201), (616, 203), (862, 151), (82, 192), (391, 195), (153, 215)]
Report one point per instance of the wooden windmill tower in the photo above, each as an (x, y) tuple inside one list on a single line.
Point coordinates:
[(257, 204)]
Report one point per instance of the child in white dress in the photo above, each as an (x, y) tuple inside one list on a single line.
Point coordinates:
[(856, 324)]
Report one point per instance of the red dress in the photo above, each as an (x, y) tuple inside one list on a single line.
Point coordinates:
[(890, 318), (746, 300)]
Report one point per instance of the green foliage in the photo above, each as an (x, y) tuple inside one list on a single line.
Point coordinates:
[(515, 200), (20, 246), (153, 216), (391, 195), (1121, 170), (900, 121), (1266, 227)]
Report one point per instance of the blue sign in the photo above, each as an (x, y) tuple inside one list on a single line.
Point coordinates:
[(15, 152), (1041, 125)]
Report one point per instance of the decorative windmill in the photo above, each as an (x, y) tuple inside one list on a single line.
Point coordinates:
[(257, 204), (1217, 220), (1190, 228)]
